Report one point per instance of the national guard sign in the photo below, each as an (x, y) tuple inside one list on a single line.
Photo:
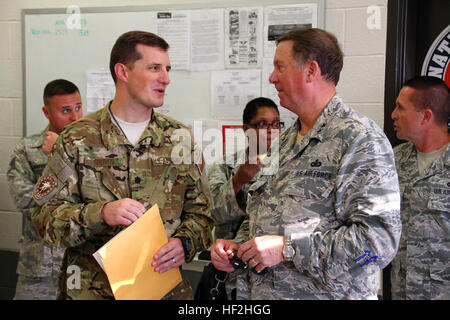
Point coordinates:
[(436, 62)]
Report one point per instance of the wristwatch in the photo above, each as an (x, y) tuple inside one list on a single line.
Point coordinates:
[(186, 242), (288, 250)]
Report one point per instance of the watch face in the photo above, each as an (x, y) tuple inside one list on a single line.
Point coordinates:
[(288, 252)]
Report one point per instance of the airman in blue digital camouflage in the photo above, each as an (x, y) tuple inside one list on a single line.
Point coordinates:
[(328, 220), (230, 178), (39, 263), (421, 271)]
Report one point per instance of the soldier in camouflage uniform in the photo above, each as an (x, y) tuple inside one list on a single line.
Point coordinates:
[(326, 223), (230, 178), (39, 263), (421, 269), (103, 174)]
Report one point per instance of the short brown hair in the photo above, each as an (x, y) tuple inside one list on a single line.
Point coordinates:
[(432, 93), (57, 87), (124, 50), (318, 45)]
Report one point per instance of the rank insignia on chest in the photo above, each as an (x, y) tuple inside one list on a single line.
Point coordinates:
[(162, 161), (44, 186)]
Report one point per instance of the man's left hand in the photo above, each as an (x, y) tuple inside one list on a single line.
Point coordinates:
[(170, 256), (262, 252)]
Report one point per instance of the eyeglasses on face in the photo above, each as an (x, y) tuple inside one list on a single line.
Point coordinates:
[(266, 125)]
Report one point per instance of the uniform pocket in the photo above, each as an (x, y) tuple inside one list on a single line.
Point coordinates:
[(171, 191), (310, 183), (307, 196), (438, 229), (439, 203)]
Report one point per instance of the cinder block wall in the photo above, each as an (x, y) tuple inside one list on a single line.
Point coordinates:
[(361, 84)]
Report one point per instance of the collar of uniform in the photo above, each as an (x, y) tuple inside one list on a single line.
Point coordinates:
[(406, 157), (111, 135), (328, 113), (445, 158), (442, 161), (39, 138), (410, 151), (287, 140), (154, 133)]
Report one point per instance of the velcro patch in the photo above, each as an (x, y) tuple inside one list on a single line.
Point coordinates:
[(44, 186), (101, 162)]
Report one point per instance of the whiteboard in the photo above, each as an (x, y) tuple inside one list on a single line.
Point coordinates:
[(49, 53)]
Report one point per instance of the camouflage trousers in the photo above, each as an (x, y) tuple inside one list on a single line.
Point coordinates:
[(31, 288), (183, 291)]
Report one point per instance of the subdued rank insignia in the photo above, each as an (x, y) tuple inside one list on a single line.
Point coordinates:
[(162, 161), (44, 186)]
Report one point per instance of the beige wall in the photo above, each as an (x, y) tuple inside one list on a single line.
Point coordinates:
[(361, 84)]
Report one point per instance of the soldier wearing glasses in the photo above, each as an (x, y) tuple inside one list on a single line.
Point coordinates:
[(230, 180)]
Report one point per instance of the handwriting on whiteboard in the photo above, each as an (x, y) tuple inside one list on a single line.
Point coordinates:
[(60, 29)]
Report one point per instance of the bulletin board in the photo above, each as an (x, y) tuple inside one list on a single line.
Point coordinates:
[(75, 44)]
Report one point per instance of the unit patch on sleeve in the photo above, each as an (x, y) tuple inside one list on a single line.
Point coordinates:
[(44, 186)]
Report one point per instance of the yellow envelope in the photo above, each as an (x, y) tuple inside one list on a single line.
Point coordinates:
[(127, 260)]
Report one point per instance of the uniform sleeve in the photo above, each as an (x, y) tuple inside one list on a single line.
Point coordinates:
[(21, 178), (242, 234), (225, 209), (196, 222), (61, 218), (367, 201)]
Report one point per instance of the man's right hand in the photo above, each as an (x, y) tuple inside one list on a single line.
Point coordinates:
[(122, 212), (221, 252), (50, 139)]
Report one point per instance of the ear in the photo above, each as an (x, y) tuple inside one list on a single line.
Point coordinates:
[(46, 112), (427, 116), (121, 72), (312, 70)]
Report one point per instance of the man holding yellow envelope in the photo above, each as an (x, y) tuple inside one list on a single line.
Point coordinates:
[(108, 168)]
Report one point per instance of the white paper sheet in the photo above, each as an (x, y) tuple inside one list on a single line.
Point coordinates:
[(243, 37), (207, 38), (175, 28), (100, 89), (232, 89), (281, 19)]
